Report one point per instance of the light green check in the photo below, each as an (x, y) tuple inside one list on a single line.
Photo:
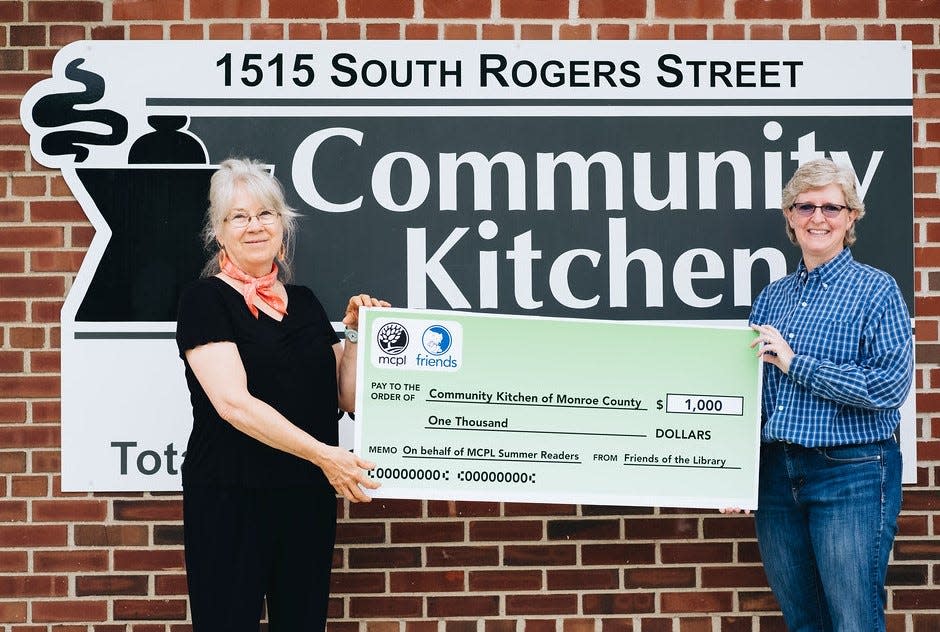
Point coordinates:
[(455, 405)]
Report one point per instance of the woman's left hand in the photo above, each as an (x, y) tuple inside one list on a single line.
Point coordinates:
[(351, 319), (347, 473), (771, 347)]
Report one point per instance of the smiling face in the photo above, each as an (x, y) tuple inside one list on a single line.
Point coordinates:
[(821, 238), (254, 247)]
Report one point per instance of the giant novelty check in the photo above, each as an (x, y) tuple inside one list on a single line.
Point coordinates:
[(463, 406)]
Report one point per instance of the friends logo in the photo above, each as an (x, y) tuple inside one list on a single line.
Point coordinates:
[(437, 341)]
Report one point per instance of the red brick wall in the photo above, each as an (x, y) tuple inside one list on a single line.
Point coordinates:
[(108, 563)]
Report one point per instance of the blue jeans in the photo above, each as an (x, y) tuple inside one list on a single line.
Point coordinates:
[(826, 521)]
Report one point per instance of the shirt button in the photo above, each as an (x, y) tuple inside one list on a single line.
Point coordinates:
[(803, 303), (825, 286), (779, 407), (790, 335)]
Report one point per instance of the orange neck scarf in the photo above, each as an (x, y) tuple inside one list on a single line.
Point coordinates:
[(255, 286)]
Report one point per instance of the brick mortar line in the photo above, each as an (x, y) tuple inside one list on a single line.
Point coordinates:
[(650, 18), (669, 23)]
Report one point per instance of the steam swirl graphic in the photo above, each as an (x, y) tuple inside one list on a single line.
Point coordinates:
[(58, 110)]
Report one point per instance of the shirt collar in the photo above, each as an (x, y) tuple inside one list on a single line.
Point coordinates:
[(829, 271)]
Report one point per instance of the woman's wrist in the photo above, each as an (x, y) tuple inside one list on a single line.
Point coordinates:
[(316, 453)]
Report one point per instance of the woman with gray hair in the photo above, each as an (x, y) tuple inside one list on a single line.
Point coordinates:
[(835, 339), (267, 375)]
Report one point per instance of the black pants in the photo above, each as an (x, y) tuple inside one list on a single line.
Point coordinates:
[(243, 545)]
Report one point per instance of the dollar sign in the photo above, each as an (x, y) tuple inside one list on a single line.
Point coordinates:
[(58, 110), (659, 404)]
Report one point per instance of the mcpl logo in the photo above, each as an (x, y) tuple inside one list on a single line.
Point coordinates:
[(393, 340)]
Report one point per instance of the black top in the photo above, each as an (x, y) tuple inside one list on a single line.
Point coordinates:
[(290, 365)]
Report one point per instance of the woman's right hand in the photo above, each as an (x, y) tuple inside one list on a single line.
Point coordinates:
[(346, 472)]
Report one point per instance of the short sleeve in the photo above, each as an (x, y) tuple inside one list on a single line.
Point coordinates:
[(202, 318), (323, 321)]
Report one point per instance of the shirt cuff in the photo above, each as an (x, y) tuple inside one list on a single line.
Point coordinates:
[(802, 369)]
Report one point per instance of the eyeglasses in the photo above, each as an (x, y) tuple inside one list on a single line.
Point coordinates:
[(808, 210), (241, 220)]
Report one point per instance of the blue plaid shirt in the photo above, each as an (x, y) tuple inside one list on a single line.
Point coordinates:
[(851, 332)]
